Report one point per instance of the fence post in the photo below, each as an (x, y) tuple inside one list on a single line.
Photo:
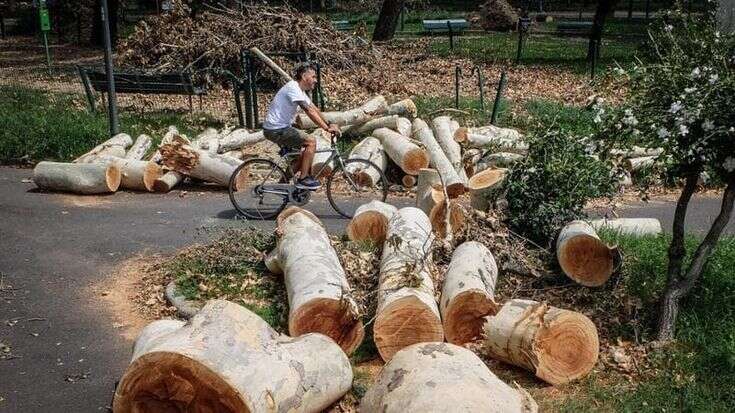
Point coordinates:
[(593, 63), (457, 74), (498, 96), (451, 36), (480, 86), (520, 40)]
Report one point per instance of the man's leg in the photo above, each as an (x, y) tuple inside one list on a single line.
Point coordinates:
[(307, 156)]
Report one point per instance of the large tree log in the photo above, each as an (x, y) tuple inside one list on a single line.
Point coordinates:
[(406, 154), (92, 178), (135, 174), (370, 149), (140, 147), (557, 345), (636, 164), (321, 163), (497, 160), (403, 126), (373, 107), (227, 359), (207, 140), (492, 137), (405, 108), (368, 127), (430, 199), (408, 181), (629, 226), (468, 294), (285, 77), (407, 312), (238, 139), (442, 126), (114, 146), (170, 178), (370, 222), (470, 157), (482, 185), (452, 181), (182, 157), (442, 377), (583, 256), (318, 293)]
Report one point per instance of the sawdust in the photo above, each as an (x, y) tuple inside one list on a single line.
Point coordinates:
[(86, 201)]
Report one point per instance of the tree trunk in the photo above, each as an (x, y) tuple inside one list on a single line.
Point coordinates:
[(452, 181), (498, 160), (183, 157), (318, 292), (406, 154), (403, 126), (407, 312), (501, 139), (629, 226), (322, 166), (353, 131), (637, 164), (468, 294), (170, 178), (238, 139), (370, 222), (583, 256), (93, 178), (385, 27), (97, 38), (370, 109), (135, 174), (408, 181), (442, 377), (371, 150), (227, 359), (114, 146), (141, 146), (405, 108), (483, 184), (430, 199), (604, 8), (442, 127), (557, 345)]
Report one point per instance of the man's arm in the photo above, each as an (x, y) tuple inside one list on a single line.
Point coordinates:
[(316, 116)]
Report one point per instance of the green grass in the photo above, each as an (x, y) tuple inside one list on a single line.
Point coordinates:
[(697, 374), (471, 110), (39, 125)]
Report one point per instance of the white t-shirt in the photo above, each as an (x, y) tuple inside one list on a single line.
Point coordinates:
[(283, 108)]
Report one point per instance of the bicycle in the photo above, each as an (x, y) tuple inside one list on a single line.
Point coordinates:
[(260, 188)]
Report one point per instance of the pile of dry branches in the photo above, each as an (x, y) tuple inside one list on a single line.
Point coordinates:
[(214, 38)]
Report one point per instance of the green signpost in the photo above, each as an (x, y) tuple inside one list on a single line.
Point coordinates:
[(45, 28)]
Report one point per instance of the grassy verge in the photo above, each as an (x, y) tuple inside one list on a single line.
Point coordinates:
[(39, 125)]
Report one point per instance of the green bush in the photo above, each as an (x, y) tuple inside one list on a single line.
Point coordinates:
[(550, 187)]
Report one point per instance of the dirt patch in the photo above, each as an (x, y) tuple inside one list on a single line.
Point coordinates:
[(85, 201)]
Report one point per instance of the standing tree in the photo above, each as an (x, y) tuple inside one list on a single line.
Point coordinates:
[(387, 22), (97, 38), (603, 10), (682, 100)]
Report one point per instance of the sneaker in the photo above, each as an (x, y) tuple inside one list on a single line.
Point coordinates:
[(308, 183)]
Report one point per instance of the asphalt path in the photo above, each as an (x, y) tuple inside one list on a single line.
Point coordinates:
[(63, 353)]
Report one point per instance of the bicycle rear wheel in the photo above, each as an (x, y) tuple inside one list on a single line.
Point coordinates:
[(259, 189), (355, 183)]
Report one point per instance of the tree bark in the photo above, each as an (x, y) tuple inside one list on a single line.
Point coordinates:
[(370, 149), (406, 154), (404, 108), (483, 184), (442, 127), (557, 345), (582, 256), (135, 174), (318, 293), (140, 147), (604, 8), (407, 312), (227, 359), (370, 109), (439, 161), (468, 293), (630, 226), (78, 178), (183, 157), (114, 146), (403, 126), (385, 27), (370, 222), (442, 377), (390, 122)]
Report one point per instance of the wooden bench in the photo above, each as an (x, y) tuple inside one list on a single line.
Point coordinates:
[(156, 84), (572, 29), (445, 25)]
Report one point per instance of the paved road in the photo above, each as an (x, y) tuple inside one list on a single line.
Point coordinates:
[(65, 354)]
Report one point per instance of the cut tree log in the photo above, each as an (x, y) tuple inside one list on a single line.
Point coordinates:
[(470, 157), (557, 345), (114, 146), (430, 199), (403, 126), (370, 109), (633, 165), (322, 166), (181, 156), (408, 181), (583, 256), (368, 127), (78, 178), (442, 377), (372, 150), (442, 127), (468, 294), (170, 178), (227, 359), (452, 181), (407, 312), (406, 154), (629, 226), (497, 160), (483, 184), (238, 139), (318, 293), (135, 174), (285, 77), (405, 108), (502, 139), (207, 140), (140, 147), (370, 222)]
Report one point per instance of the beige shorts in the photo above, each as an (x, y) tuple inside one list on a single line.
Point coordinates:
[(289, 137)]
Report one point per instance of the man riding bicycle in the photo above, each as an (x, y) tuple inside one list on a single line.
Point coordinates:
[(281, 115)]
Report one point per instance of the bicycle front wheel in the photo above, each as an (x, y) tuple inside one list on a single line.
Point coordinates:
[(355, 183), (259, 189)]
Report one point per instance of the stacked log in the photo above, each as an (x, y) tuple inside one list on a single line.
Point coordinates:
[(404, 108), (483, 184), (557, 345), (406, 154), (492, 137), (453, 183), (370, 222), (407, 312), (497, 160), (115, 146), (373, 107), (182, 157), (140, 147), (79, 178), (372, 150), (227, 359), (238, 139), (403, 126), (430, 198), (582, 256), (318, 292), (468, 293), (135, 174), (442, 126), (442, 377), (352, 131)]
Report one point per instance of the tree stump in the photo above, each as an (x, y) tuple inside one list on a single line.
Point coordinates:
[(482, 185)]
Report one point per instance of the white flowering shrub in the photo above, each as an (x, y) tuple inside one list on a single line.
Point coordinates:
[(682, 99)]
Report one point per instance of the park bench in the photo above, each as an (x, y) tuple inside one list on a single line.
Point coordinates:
[(445, 25), (342, 25), (571, 29), (156, 84)]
